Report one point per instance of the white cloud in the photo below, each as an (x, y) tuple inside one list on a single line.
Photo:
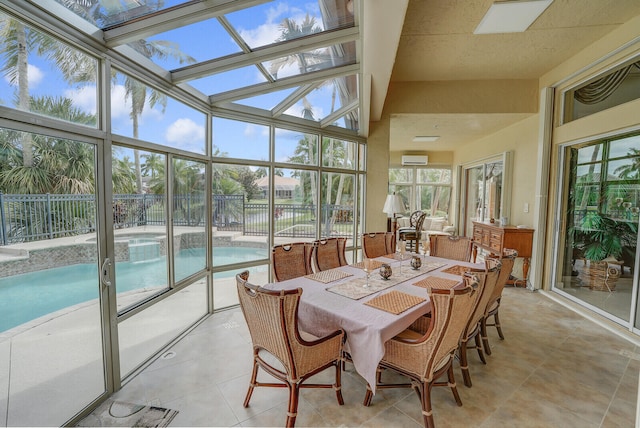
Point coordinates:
[(269, 32), (274, 13), (264, 34), (120, 104), (185, 132), (34, 74), (249, 131), (83, 98)]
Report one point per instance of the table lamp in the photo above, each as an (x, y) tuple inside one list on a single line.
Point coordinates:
[(393, 205)]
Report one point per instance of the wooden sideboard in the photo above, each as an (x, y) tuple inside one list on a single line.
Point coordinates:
[(494, 238)]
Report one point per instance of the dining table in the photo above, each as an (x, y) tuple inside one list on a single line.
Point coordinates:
[(370, 310)]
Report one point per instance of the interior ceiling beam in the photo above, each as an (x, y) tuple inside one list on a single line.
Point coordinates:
[(287, 82), (292, 99), (172, 18), (271, 52), (328, 120)]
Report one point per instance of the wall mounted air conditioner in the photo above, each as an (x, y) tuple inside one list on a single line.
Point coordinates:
[(414, 160)]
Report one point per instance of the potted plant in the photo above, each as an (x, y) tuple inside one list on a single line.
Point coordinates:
[(601, 241)]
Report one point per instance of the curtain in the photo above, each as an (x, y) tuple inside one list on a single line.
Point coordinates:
[(602, 88)]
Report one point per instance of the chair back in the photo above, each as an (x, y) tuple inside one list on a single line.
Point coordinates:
[(451, 247), (419, 223), (486, 283), (508, 260), (451, 308), (329, 253), (413, 218), (291, 260), (272, 319), (378, 244)]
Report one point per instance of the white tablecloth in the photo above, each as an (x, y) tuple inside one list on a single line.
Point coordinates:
[(321, 312)]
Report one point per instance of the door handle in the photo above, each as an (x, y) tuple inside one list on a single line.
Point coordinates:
[(105, 278)]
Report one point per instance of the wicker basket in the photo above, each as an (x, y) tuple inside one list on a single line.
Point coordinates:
[(602, 275)]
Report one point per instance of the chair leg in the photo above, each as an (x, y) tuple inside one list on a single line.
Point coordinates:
[(479, 348), (452, 385), (425, 398), (252, 383), (338, 385), (292, 411), (464, 364), (497, 322), (367, 397), (485, 337)]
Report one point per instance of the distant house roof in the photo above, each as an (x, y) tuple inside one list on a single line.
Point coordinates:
[(281, 183)]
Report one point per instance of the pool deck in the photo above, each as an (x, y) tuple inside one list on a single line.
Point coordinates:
[(61, 353)]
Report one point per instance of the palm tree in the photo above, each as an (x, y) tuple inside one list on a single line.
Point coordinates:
[(57, 165), (98, 13), (123, 175), (305, 150), (16, 46), (18, 42), (307, 62), (153, 163), (630, 171), (137, 90)]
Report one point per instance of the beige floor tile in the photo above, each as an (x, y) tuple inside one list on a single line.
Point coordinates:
[(203, 408), (554, 368), (622, 413), (262, 399), (523, 411), (391, 417)]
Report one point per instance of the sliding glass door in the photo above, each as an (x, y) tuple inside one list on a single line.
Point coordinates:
[(598, 238), (52, 361)]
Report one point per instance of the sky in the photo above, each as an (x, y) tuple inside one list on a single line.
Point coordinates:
[(179, 125)]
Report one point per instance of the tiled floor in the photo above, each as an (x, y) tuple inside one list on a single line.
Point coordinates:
[(555, 369)]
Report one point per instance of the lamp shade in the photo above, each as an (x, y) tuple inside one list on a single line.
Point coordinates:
[(392, 205)]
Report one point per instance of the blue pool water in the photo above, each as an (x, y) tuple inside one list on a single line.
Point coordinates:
[(31, 295)]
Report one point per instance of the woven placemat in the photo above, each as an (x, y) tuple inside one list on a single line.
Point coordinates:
[(395, 302), (437, 282), (457, 270), (327, 276), (375, 264)]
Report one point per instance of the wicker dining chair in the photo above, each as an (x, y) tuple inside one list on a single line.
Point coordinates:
[(451, 247), (508, 260), (425, 357), (329, 253), (413, 234), (378, 244), (486, 283), (281, 349), (291, 260)]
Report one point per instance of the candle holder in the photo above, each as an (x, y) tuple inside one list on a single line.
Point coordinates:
[(385, 271), (416, 262)]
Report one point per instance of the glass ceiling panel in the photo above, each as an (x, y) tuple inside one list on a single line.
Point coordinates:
[(266, 101), (309, 61), (227, 81), (192, 41), (223, 40), (326, 99), (111, 12), (286, 20)]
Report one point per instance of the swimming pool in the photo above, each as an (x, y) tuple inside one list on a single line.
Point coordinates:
[(31, 295)]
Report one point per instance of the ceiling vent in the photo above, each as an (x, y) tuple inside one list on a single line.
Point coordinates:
[(414, 160)]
